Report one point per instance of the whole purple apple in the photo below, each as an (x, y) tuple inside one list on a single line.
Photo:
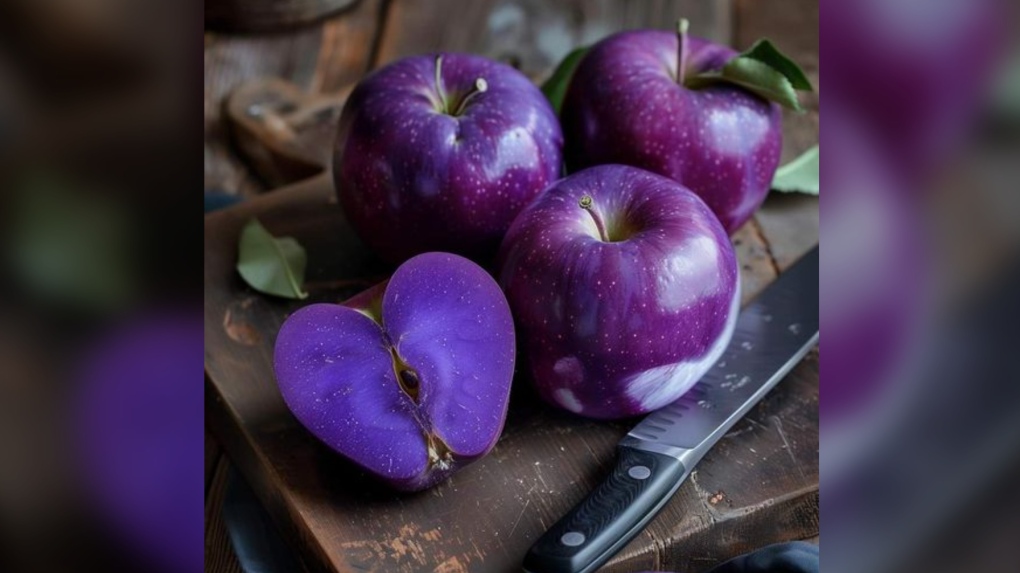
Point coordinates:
[(440, 153), (625, 290), (409, 380), (628, 104)]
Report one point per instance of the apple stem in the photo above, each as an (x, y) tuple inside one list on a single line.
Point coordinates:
[(481, 86), (439, 82), (681, 58), (587, 203)]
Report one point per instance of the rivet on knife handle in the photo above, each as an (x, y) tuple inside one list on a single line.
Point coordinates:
[(610, 516)]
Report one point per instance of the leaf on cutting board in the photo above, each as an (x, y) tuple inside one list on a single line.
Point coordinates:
[(269, 264), (799, 175), (555, 88)]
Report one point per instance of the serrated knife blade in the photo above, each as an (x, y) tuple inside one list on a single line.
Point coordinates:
[(772, 334)]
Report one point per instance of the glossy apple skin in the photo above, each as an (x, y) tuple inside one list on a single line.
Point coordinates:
[(414, 179), (617, 329), (625, 106), (441, 315)]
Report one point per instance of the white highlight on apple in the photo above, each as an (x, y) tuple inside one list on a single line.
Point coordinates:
[(567, 399), (686, 266), (657, 387), (725, 124)]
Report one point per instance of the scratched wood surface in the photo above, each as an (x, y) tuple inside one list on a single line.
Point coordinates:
[(758, 486)]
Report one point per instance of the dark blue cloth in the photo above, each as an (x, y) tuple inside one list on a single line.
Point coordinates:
[(215, 200), (794, 557)]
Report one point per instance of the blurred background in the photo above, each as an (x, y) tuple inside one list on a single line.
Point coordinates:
[(920, 391), (101, 414), (105, 463)]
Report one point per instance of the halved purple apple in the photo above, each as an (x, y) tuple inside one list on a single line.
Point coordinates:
[(410, 379)]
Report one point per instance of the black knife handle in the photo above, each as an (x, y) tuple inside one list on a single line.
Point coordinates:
[(610, 516)]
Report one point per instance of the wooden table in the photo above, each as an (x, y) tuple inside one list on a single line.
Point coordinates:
[(778, 443)]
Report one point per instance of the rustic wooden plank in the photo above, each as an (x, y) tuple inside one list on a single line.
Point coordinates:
[(268, 15), (763, 477), (219, 552), (757, 269), (532, 34), (485, 517), (212, 459), (789, 221), (793, 27), (322, 58), (285, 134)]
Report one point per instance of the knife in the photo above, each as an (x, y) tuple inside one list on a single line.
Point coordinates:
[(771, 336)]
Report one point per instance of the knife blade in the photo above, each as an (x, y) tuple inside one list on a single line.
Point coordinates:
[(771, 336)]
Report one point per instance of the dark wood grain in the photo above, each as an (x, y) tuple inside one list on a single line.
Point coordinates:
[(787, 224), (534, 34), (323, 58), (268, 15), (793, 28), (758, 486), (285, 133), (212, 459), (219, 554)]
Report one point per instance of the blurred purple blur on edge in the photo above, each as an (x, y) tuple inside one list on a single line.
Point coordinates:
[(101, 391), (134, 397), (920, 392)]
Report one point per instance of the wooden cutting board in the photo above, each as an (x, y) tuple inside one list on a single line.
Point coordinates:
[(758, 485)]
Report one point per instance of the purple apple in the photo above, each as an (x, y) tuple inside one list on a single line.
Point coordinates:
[(626, 104), (409, 380), (440, 153), (625, 290)]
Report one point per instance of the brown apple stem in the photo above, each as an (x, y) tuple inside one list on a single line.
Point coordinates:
[(586, 203), (480, 87), (439, 83), (681, 59)]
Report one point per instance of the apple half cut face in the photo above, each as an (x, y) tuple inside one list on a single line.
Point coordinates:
[(410, 379)]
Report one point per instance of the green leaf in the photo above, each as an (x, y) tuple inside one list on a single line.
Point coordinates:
[(754, 76), (555, 88), (799, 175), (271, 265), (766, 53), (763, 70)]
